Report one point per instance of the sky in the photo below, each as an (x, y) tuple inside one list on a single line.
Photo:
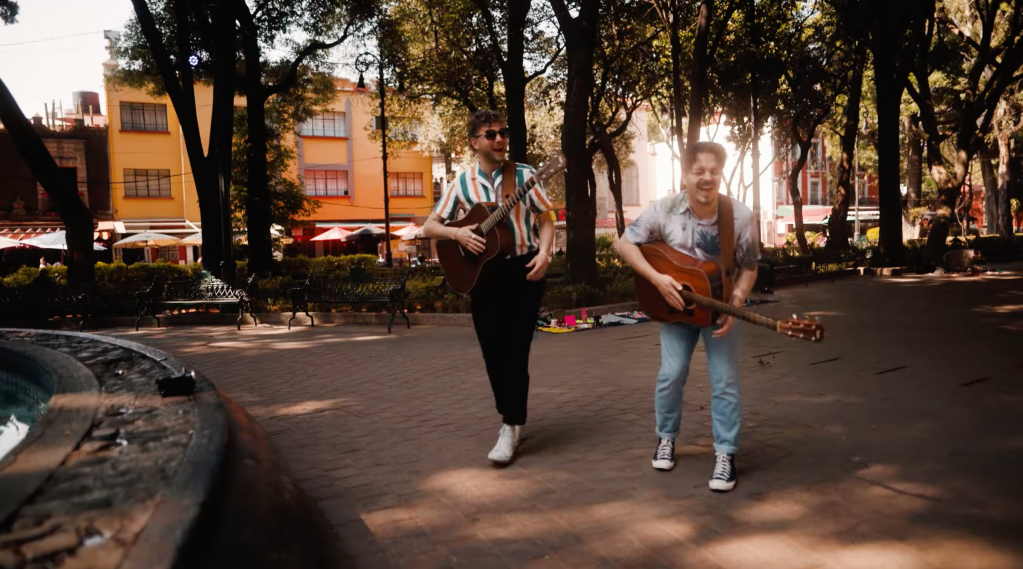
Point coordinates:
[(57, 47), (43, 71)]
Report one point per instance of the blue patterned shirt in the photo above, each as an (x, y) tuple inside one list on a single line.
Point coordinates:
[(671, 220)]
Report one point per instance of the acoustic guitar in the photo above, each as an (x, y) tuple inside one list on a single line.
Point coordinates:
[(462, 267), (702, 287)]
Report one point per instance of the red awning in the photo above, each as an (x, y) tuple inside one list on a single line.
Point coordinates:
[(815, 217), (610, 222)]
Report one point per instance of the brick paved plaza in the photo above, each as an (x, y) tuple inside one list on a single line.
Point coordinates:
[(897, 443)]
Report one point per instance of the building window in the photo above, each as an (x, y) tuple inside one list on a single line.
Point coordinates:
[(406, 183), (326, 183), (404, 130), (815, 192), (816, 155), (147, 183), (331, 124), (169, 253), (780, 196), (146, 117)]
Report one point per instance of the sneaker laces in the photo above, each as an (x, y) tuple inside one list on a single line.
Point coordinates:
[(507, 433), (723, 467), (665, 450)]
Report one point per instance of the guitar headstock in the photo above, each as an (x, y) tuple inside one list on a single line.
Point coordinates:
[(802, 328), (556, 164)]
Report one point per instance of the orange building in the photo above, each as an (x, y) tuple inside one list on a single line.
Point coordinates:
[(339, 164)]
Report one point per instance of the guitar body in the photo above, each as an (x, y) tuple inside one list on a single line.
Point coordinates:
[(699, 277), (463, 268)]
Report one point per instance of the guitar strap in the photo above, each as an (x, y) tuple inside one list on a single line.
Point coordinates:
[(726, 234), (508, 174)]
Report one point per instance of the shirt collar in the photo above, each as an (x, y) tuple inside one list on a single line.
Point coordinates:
[(680, 206), (482, 176)]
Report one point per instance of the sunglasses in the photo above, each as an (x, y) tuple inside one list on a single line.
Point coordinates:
[(491, 134)]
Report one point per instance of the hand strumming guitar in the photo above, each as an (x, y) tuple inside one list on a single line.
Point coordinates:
[(469, 240), (669, 288)]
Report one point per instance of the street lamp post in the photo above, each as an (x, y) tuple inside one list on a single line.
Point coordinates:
[(363, 66)]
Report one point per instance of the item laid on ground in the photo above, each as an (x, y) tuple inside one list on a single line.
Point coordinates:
[(553, 330), (615, 320), (570, 323)]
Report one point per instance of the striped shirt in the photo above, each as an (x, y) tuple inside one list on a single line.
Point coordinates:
[(471, 187)]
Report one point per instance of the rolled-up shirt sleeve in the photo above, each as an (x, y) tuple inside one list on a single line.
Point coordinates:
[(537, 199), (447, 206), (646, 228)]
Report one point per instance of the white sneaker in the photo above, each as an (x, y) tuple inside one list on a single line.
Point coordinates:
[(507, 442), (664, 456), (725, 475)]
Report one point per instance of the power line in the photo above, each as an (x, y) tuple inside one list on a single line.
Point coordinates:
[(53, 39)]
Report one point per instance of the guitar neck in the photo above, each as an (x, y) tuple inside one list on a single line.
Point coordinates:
[(501, 212), (730, 310)]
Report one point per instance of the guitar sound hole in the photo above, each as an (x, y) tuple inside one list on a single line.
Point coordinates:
[(689, 305)]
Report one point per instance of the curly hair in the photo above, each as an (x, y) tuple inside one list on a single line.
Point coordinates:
[(482, 118)]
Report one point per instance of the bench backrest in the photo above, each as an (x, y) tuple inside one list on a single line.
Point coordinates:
[(188, 288), (35, 298), (357, 284)]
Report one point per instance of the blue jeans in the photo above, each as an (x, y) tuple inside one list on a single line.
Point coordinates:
[(677, 344)]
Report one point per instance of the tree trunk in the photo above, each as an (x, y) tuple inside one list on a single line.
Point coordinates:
[(515, 79), (888, 94), (1005, 228), (677, 108), (214, 237), (698, 83), (756, 163), (991, 196), (580, 201), (62, 190), (212, 185), (218, 188), (755, 111), (914, 163), (614, 179), (949, 187), (257, 209), (838, 224), (797, 197)]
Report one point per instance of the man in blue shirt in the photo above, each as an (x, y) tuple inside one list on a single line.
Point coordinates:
[(688, 222)]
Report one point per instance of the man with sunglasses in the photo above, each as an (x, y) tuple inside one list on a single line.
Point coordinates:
[(505, 311)]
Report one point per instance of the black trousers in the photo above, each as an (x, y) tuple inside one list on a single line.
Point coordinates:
[(505, 308)]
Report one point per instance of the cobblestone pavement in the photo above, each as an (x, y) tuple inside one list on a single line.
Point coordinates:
[(898, 442)]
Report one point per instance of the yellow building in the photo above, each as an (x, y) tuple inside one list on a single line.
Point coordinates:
[(339, 165)]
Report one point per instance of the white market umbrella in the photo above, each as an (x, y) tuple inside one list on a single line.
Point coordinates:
[(6, 243), (146, 239), (413, 235), (367, 231), (334, 234), (404, 231), (195, 239), (55, 240)]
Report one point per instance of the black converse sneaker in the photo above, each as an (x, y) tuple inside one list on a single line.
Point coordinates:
[(664, 456), (724, 476)]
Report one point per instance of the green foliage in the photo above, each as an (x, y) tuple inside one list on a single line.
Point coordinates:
[(605, 243), (8, 11), (811, 237), (916, 215), (288, 202)]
